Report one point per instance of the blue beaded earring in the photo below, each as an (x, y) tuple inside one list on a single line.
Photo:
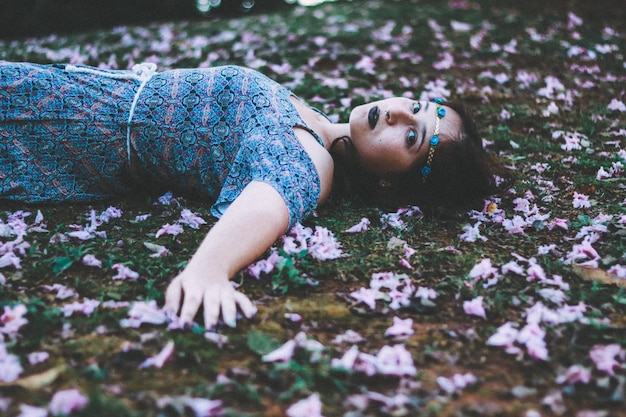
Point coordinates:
[(434, 140)]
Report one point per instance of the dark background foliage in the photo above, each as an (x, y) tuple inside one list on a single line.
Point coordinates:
[(19, 18)]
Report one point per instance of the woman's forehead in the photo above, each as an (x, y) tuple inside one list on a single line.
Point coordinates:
[(451, 123)]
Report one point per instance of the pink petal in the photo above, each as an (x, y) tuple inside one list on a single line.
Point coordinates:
[(160, 358)]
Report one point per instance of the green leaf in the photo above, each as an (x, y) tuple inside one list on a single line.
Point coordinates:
[(61, 263), (262, 343)]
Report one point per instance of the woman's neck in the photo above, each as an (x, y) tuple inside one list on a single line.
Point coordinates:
[(328, 131)]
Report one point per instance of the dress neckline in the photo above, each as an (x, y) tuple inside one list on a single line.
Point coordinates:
[(301, 123)]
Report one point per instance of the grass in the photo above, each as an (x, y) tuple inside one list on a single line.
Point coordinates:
[(96, 354)]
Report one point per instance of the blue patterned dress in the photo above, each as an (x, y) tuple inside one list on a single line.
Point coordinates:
[(68, 135)]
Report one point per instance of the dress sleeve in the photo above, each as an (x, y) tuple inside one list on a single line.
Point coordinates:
[(279, 160)]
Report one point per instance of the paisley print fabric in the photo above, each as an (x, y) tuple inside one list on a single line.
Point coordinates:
[(205, 132), (62, 138)]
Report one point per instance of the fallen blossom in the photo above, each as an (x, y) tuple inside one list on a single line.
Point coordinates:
[(320, 244), (554, 402), (67, 401), (110, 213), (62, 291), (368, 296), (31, 411), (13, 319), (10, 259), (546, 249), (618, 270), (169, 229), (516, 225), (86, 307), (471, 233), (166, 199), (293, 317), (506, 335), (144, 312), (457, 383), (114, 304), (203, 407), (362, 226), (282, 354), (553, 295), (160, 358), (617, 105), (82, 234), (307, 407), (513, 267), (264, 266), (602, 174), (605, 357), (350, 336), (323, 245), (475, 307), (400, 327), (10, 368), (142, 217), (425, 294), (483, 270), (535, 272), (532, 336), (157, 250), (405, 264), (124, 273), (91, 260), (561, 223), (581, 201), (575, 374), (35, 358), (219, 339), (395, 360), (583, 251), (348, 360), (188, 218)]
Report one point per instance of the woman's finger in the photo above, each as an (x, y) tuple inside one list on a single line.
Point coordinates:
[(211, 308), (190, 307), (229, 308), (247, 308), (173, 295)]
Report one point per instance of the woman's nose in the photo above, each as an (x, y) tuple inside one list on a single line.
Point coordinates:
[(397, 115)]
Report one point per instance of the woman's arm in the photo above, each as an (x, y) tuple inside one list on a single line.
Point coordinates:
[(250, 225)]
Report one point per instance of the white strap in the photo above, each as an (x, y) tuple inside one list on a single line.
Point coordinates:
[(142, 72)]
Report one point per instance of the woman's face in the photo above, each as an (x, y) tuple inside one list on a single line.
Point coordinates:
[(392, 136)]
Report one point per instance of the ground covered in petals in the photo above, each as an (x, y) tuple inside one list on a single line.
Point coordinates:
[(517, 308)]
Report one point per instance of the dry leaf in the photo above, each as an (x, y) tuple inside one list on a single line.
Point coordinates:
[(599, 275), (37, 381)]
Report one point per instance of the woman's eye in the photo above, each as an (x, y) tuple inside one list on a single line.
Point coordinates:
[(416, 107), (411, 137)]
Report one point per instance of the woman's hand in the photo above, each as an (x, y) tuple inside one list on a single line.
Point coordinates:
[(194, 289), (247, 229)]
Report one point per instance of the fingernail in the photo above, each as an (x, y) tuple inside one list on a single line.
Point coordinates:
[(231, 323)]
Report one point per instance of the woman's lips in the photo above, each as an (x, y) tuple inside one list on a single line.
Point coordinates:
[(372, 116)]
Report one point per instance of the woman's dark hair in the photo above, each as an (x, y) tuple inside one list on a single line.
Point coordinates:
[(462, 175)]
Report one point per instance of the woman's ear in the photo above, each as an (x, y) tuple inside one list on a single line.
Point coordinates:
[(385, 184)]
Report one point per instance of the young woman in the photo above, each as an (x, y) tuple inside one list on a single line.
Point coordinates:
[(266, 159)]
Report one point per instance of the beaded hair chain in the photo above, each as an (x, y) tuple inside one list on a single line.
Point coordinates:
[(434, 140)]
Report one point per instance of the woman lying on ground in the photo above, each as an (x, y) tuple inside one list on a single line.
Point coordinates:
[(229, 134)]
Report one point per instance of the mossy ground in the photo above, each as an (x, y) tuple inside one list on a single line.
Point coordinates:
[(328, 43)]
